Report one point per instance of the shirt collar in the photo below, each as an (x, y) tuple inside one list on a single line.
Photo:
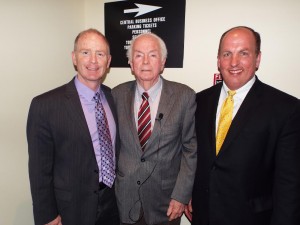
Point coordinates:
[(152, 92), (85, 91), (242, 91)]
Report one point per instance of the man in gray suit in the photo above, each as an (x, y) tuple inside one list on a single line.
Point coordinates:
[(67, 179), (157, 158)]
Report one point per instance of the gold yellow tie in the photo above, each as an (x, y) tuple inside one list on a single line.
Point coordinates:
[(225, 120)]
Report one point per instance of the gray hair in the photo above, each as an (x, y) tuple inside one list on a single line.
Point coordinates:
[(162, 45)]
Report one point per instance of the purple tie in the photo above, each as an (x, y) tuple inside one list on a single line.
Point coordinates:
[(106, 150)]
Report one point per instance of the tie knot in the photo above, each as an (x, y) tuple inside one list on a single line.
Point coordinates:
[(96, 97), (145, 96), (231, 93)]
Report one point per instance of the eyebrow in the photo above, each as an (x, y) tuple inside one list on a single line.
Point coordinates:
[(243, 49), (139, 51)]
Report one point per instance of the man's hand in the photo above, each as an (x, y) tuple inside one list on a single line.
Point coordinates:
[(56, 221), (175, 209), (188, 210)]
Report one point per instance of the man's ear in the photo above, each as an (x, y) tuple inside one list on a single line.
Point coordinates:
[(74, 59)]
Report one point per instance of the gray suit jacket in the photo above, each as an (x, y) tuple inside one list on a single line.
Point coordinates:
[(63, 171), (166, 168)]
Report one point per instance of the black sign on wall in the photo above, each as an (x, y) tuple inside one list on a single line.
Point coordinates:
[(126, 19)]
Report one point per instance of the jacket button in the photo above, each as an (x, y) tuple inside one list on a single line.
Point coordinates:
[(138, 182), (143, 160), (96, 171)]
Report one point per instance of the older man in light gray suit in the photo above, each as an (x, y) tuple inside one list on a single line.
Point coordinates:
[(156, 164)]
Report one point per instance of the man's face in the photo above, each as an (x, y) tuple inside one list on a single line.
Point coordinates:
[(237, 59), (91, 58), (147, 62)]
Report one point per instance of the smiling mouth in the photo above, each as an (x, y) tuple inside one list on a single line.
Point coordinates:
[(92, 69), (235, 71)]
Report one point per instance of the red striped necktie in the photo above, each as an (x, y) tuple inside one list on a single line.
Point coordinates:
[(144, 121)]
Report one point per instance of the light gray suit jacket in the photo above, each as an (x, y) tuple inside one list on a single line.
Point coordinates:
[(166, 168)]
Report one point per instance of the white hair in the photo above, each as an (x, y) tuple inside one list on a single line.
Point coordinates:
[(162, 45)]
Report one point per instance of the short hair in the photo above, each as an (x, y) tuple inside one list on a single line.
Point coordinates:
[(161, 43), (94, 31), (255, 34)]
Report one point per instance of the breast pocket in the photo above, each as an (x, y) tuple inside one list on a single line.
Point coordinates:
[(170, 132)]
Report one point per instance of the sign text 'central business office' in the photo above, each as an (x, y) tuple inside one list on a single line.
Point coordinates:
[(125, 20)]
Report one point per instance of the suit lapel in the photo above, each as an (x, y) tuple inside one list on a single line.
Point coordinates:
[(110, 101), (129, 112), (248, 106), (165, 104), (213, 105), (73, 105)]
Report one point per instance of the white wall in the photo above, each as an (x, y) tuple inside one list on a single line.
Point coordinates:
[(35, 49), (275, 20), (37, 38)]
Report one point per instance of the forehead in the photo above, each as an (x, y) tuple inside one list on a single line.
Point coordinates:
[(239, 36), (91, 39), (146, 43)]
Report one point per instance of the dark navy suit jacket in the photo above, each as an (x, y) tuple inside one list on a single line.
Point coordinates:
[(255, 179)]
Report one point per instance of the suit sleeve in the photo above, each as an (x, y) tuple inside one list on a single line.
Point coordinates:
[(183, 188), (41, 156), (286, 197)]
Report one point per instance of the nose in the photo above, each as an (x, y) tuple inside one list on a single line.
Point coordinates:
[(145, 59), (93, 58), (235, 60)]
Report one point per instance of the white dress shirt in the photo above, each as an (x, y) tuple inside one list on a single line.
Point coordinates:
[(154, 96), (238, 98)]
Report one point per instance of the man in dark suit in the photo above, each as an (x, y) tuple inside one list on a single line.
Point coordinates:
[(157, 158), (67, 177), (254, 178)]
